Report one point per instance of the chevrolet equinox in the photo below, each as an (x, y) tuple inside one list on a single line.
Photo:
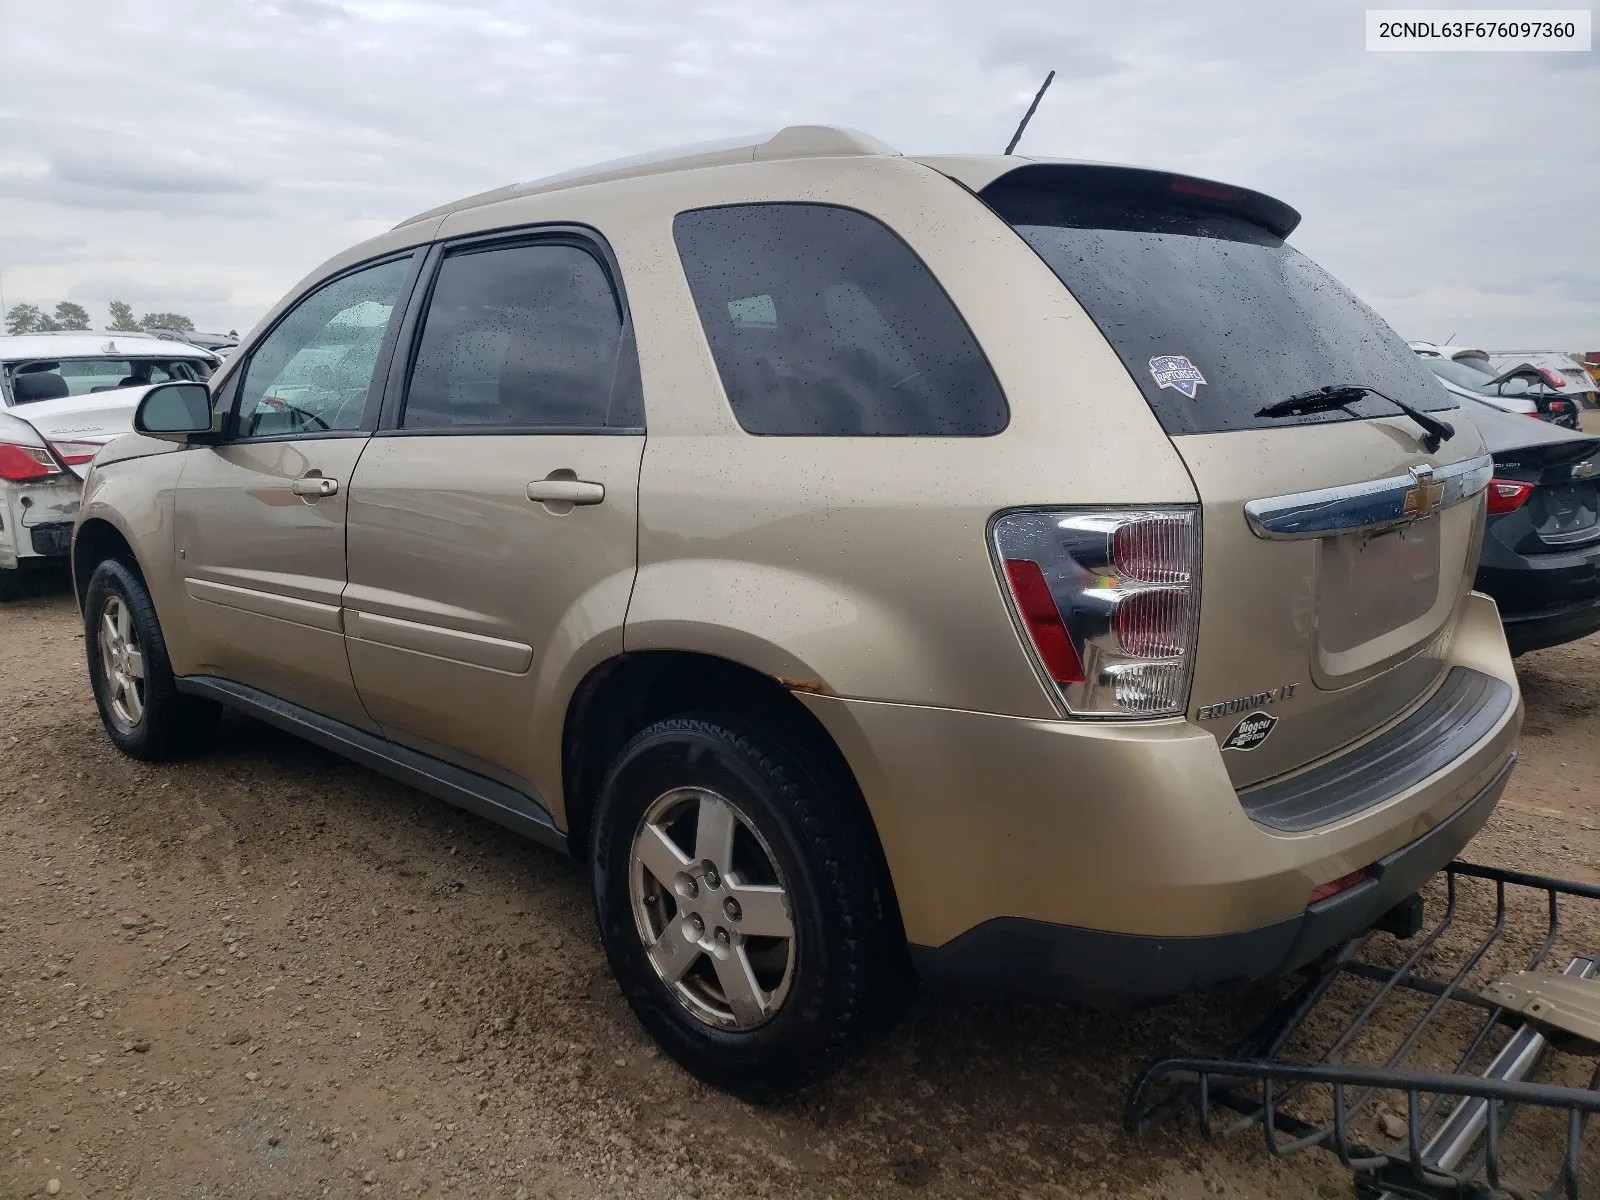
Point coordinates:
[(996, 569)]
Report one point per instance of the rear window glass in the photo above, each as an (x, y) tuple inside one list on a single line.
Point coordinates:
[(1213, 316), (1457, 373), (58, 378), (823, 322)]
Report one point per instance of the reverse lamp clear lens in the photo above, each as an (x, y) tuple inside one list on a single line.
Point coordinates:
[(1124, 587)]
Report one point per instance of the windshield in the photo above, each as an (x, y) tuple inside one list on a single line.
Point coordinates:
[(1213, 316), (51, 379)]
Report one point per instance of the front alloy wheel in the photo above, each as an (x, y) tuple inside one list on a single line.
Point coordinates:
[(145, 715), (122, 662), (712, 909)]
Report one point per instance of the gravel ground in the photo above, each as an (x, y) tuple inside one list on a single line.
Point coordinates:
[(271, 973)]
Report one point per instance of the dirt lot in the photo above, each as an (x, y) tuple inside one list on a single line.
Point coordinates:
[(270, 973)]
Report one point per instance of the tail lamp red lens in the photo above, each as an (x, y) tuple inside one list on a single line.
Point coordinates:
[(1507, 495), (75, 454), (1043, 619), (1153, 622), (20, 464), (1153, 551)]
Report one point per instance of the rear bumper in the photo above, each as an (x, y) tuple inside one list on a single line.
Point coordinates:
[(1090, 964), (1116, 858), (1544, 599), (1552, 626), (36, 519)]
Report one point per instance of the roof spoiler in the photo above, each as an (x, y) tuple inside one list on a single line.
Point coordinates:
[(1105, 180)]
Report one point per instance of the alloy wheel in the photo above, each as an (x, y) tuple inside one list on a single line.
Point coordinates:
[(712, 908), (122, 662)]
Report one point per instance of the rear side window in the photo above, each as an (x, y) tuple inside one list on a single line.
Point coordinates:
[(1213, 316), (521, 337), (823, 322)]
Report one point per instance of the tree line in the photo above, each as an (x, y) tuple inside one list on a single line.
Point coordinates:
[(30, 318)]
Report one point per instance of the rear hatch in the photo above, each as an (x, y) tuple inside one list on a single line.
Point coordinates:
[(1336, 547)]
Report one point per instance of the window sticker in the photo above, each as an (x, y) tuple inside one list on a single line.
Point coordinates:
[(1176, 371)]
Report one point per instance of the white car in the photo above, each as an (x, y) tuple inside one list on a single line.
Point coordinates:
[(62, 397), (1522, 390), (1560, 371), (1471, 356)]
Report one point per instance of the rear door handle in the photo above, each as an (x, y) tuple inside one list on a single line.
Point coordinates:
[(566, 491), (314, 486)]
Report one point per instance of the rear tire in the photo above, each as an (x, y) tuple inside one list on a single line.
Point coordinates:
[(10, 583), (760, 1015), (144, 714)]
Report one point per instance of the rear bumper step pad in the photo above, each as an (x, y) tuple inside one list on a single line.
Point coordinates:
[(1467, 706)]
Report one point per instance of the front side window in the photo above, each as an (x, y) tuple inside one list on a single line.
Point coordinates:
[(523, 337), (312, 373), (823, 322)]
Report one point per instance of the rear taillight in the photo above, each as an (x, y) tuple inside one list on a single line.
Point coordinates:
[(19, 464), (75, 454), (1109, 601), (1507, 495)]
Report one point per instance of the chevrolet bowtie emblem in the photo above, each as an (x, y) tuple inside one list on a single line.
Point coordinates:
[(1424, 495)]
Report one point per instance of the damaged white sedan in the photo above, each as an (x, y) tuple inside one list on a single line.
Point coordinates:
[(62, 397)]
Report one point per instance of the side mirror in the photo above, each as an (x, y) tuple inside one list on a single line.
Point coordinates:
[(174, 412)]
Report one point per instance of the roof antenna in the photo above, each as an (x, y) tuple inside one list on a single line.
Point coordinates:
[(1028, 116)]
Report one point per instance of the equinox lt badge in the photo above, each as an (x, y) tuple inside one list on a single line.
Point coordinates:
[(1226, 708), (1250, 732)]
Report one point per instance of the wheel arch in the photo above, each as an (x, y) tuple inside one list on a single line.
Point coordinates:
[(95, 540), (629, 691)]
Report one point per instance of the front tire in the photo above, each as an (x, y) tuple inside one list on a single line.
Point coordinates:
[(144, 714), (742, 910)]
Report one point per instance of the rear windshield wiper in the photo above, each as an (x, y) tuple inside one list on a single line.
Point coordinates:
[(1328, 398)]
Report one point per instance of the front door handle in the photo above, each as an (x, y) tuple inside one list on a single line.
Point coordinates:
[(315, 486), (566, 491)]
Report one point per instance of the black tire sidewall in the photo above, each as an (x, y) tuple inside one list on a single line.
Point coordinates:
[(160, 730), (761, 779)]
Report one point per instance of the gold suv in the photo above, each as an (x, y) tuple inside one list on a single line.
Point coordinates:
[(989, 568)]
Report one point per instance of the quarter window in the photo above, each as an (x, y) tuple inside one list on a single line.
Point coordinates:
[(313, 372), (823, 322), (521, 337)]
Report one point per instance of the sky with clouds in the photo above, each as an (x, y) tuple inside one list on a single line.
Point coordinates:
[(202, 155)]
